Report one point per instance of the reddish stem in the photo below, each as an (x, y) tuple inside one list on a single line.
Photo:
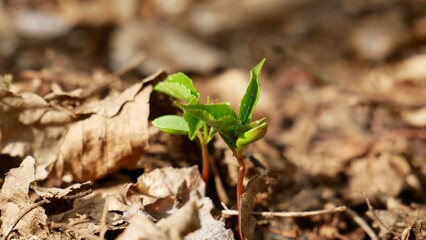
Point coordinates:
[(240, 188), (205, 163)]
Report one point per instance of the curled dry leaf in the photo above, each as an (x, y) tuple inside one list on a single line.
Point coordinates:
[(167, 181), (184, 221), (61, 200), (18, 114), (175, 227), (99, 145), (16, 137), (52, 193), (210, 227), (59, 130), (164, 191), (15, 199), (254, 186)]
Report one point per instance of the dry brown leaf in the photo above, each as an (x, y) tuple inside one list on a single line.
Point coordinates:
[(174, 227), (248, 222), (210, 18), (164, 191), (15, 102), (330, 155), (305, 200), (59, 200), (39, 24), (210, 227), (98, 13), (86, 215), (99, 145), (16, 137), (377, 37), (416, 118), (411, 68), (381, 85), (167, 181), (18, 114), (141, 228), (385, 173), (165, 47), (183, 221), (15, 198), (110, 106), (113, 135), (52, 193), (30, 124), (161, 207)]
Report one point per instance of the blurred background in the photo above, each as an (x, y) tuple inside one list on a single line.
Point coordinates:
[(330, 38), (343, 87)]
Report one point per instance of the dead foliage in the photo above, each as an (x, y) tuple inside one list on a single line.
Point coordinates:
[(343, 91)]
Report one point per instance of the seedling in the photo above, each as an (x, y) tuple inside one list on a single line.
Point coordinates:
[(238, 131), (180, 87)]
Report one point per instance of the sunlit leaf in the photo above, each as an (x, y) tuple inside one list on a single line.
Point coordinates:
[(252, 135), (178, 86), (219, 116), (251, 96), (194, 124), (172, 124)]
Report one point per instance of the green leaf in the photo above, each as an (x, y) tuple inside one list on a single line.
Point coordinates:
[(251, 125), (194, 124), (172, 124), (220, 116), (251, 96), (178, 86), (253, 134)]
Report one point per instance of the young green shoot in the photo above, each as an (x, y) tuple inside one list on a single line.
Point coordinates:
[(180, 87), (204, 120)]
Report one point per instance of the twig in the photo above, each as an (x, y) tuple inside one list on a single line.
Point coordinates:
[(289, 214), (224, 205), (221, 193), (371, 209), (361, 222), (35, 205), (21, 214), (84, 234), (358, 220), (103, 224)]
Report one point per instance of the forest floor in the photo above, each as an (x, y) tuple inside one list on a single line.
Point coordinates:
[(343, 90)]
